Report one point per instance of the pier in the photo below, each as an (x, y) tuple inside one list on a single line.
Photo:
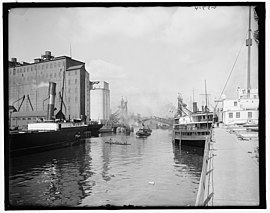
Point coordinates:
[(230, 176)]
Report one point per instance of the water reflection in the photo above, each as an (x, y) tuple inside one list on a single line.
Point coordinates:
[(96, 174), (190, 158), (52, 178)]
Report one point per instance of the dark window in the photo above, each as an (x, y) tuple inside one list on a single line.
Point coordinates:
[(50, 65), (23, 118), (230, 115), (237, 114), (76, 81), (235, 103), (14, 72), (76, 99), (29, 118), (46, 66), (249, 114)]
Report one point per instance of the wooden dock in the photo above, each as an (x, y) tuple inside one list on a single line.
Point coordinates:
[(231, 176)]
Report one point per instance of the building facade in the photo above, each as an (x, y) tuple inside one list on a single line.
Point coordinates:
[(245, 109), (31, 80), (100, 102)]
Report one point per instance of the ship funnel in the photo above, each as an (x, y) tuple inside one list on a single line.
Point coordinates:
[(195, 108), (52, 94)]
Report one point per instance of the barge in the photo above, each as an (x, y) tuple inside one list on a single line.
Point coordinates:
[(49, 134)]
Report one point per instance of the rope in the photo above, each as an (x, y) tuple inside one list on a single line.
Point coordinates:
[(231, 70)]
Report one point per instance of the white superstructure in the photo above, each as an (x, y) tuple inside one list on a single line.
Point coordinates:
[(242, 110)]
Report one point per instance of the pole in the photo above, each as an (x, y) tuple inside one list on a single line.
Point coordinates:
[(205, 93), (249, 44), (70, 50), (63, 84), (36, 86), (193, 96), (206, 103)]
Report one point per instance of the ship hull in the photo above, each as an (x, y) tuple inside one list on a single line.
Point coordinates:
[(191, 138), (32, 142)]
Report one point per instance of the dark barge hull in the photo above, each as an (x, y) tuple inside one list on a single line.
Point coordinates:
[(196, 143), (32, 142)]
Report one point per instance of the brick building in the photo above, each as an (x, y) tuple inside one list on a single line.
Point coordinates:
[(32, 81)]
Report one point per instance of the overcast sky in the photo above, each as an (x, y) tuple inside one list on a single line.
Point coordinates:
[(147, 54)]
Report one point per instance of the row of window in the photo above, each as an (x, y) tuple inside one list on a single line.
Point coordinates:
[(28, 118), (69, 81), (27, 69), (235, 102), (39, 66), (238, 115), (44, 76), (76, 99), (76, 90)]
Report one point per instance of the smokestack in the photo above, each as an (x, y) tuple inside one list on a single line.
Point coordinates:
[(52, 93), (195, 108), (14, 59)]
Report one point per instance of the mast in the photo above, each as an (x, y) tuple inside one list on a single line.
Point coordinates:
[(63, 86), (206, 104), (179, 105), (205, 93), (60, 114), (193, 96), (70, 53), (249, 44)]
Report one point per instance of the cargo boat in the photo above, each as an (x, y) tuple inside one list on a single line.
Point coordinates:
[(32, 141), (50, 134)]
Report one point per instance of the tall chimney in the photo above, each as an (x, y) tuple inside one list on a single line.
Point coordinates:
[(195, 108), (14, 59), (52, 94)]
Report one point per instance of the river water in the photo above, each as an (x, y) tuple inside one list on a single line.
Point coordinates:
[(148, 172)]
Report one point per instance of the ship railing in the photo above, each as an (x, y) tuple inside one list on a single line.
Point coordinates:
[(205, 193)]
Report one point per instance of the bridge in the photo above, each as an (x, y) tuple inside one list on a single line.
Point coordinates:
[(168, 121)]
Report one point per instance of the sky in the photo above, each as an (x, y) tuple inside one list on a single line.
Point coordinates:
[(148, 55)]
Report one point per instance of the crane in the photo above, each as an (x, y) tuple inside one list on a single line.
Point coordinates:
[(22, 98), (182, 107)]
